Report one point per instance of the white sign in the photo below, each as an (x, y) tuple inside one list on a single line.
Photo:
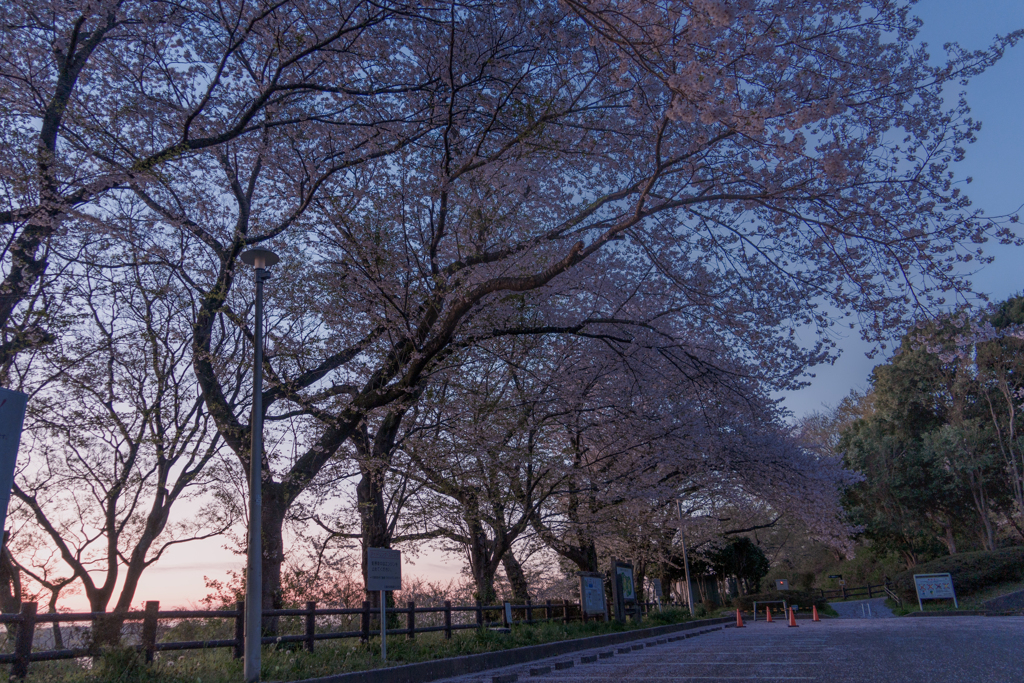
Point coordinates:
[(383, 569), (782, 584), (625, 579), (508, 613), (656, 586), (592, 590), (934, 587), (12, 417)]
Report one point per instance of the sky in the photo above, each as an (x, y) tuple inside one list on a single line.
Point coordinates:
[(995, 162)]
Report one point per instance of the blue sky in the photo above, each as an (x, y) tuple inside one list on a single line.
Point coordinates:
[(995, 162)]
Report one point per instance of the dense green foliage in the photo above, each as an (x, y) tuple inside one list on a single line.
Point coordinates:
[(937, 447), (970, 571)]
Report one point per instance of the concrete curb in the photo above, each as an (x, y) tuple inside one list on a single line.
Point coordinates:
[(967, 613), (422, 672)]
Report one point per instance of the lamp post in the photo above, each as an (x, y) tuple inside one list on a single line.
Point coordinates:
[(260, 259), (686, 561)]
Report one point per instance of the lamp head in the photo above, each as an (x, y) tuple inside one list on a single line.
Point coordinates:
[(260, 258)]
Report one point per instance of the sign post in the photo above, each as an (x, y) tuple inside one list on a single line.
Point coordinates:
[(934, 587), (592, 594), (383, 573), (623, 588), (656, 587), (12, 417)]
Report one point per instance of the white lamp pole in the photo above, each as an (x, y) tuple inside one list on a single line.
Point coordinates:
[(686, 561), (260, 259)]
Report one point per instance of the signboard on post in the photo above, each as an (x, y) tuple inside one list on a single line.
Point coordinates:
[(383, 569), (383, 573), (592, 594), (623, 588), (12, 417), (782, 584), (934, 587), (656, 589)]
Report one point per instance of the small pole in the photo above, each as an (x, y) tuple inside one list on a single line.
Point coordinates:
[(411, 621), (310, 625), (383, 628), (448, 619), (239, 649), (565, 611), (364, 627), (149, 629), (23, 645)]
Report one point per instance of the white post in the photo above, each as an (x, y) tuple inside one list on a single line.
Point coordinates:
[(383, 628)]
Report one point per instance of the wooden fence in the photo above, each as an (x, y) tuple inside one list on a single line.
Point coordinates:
[(449, 618)]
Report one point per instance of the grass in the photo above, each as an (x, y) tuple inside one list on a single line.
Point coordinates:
[(974, 601), (288, 663)]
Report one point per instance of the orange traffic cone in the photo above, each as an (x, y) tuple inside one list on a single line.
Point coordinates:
[(792, 618), (739, 619), (814, 609), (768, 613)]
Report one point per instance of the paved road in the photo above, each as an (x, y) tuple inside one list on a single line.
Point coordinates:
[(909, 650), (862, 609)]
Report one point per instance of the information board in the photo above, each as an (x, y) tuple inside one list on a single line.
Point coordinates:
[(592, 591), (656, 587), (934, 587), (12, 417), (624, 575), (383, 569)]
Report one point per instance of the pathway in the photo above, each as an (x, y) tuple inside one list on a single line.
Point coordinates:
[(862, 609), (939, 650)]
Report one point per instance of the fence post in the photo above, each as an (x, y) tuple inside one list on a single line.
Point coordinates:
[(310, 626), (448, 619), (149, 629), (23, 645), (869, 591), (844, 591), (239, 630), (529, 611), (479, 614), (411, 621), (547, 606), (365, 625), (565, 611), (583, 613)]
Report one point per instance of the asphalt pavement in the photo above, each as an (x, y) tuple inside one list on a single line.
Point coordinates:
[(905, 650), (873, 608)]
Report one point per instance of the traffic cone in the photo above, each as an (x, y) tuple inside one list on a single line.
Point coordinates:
[(814, 610), (792, 618), (739, 619), (768, 613)]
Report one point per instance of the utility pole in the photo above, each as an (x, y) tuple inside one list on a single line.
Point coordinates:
[(260, 259), (686, 561)]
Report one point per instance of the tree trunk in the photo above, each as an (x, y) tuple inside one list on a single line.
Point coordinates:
[(275, 507), (373, 520), (516, 577)]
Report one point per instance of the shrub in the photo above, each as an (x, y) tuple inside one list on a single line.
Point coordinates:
[(971, 572), (792, 597)]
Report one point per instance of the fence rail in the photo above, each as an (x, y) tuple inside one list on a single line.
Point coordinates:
[(24, 626), (871, 591)]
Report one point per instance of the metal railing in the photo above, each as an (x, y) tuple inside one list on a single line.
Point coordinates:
[(870, 591)]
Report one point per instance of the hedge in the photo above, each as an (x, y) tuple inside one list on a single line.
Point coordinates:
[(971, 572)]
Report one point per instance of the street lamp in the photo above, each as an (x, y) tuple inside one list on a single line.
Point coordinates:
[(260, 259), (686, 561)]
